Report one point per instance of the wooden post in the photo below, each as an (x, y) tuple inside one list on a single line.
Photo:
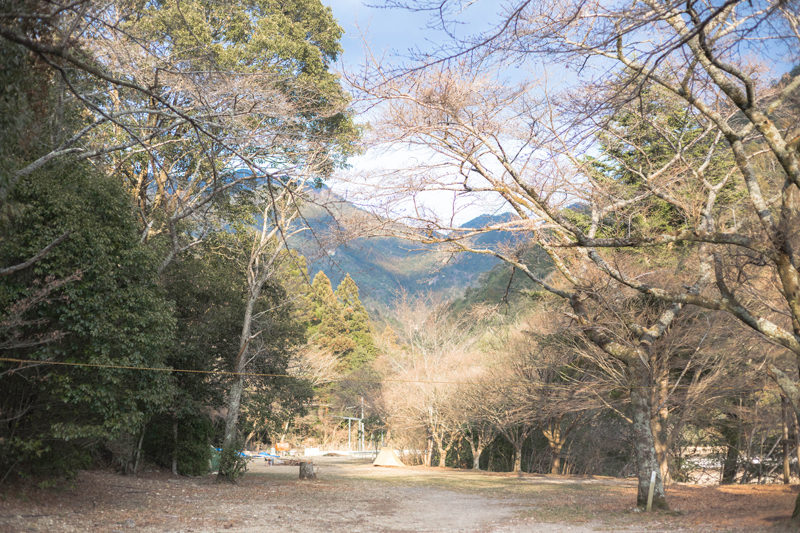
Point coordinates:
[(307, 470), (650, 490)]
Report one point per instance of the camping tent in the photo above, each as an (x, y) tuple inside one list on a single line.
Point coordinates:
[(387, 457)]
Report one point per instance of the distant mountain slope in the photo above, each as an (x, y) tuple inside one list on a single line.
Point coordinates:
[(384, 267), (503, 285)]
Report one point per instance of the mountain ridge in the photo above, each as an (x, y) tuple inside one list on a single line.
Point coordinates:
[(385, 267)]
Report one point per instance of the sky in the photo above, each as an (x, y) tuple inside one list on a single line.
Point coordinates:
[(384, 29), (393, 34)]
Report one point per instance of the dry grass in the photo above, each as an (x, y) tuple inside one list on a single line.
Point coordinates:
[(609, 502), (357, 497)]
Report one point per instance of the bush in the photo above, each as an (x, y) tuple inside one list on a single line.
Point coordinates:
[(193, 447), (232, 465)]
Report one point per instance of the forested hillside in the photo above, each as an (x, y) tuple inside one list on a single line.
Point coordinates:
[(386, 267)]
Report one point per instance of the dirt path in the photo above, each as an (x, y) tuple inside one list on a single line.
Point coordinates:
[(354, 498)]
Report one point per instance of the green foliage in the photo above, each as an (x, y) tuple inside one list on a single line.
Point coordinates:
[(503, 284), (232, 464), (96, 297), (271, 402), (641, 143), (339, 322), (92, 299), (271, 406), (357, 321), (108, 311), (297, 41), (328, 329), (207, 291), (193, 446)]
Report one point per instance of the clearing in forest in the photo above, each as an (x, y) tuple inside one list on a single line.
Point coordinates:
[(354, 496)]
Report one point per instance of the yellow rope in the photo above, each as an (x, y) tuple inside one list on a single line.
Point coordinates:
[(565, 386), (217, 372)]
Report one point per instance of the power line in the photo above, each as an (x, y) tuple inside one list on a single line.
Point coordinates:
[(33, 362), (143, 368)]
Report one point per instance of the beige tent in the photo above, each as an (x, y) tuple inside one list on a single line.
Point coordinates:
[(387, 457)]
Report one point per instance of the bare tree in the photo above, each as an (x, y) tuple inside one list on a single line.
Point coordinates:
[(552, 386), (536, 150), (478, 430), (317, 365), (278, 210), (478, 132), (503, 406), (423, 377)]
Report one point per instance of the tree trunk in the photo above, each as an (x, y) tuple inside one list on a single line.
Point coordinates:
[(307, 470), (646, 459), (476, 455), (791, 391), (442, 453), (138, 455), (797, 440), (428, 453), (248, 441), (658, 423), (659, 412), (175, 446), (555, 439), (661, 448), (785, 421), (451, 442), (555, 468), (730, 466), (232, 416), (517, 459), (235, 394), (478, 440)]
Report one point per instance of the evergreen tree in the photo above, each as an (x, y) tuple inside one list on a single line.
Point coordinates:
[(340, 322), (109, 311), (356, 319), (89, 297), (329, 329), (206, 291)]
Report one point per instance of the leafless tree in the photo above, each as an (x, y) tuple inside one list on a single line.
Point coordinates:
[(533, 145), (478, 133), (552, 390), (478, 429), (423, 377), (315, 364), (279, 207)]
